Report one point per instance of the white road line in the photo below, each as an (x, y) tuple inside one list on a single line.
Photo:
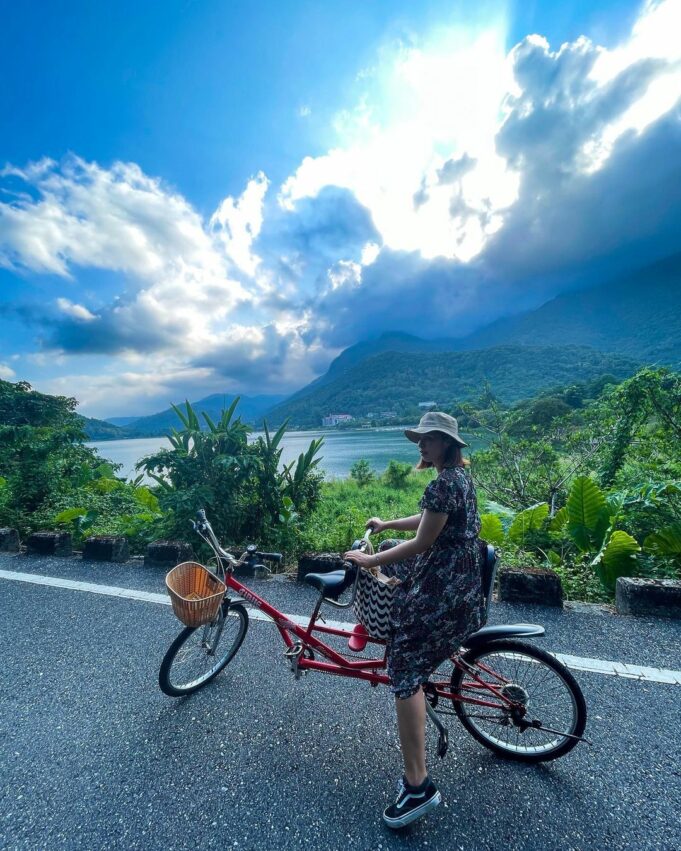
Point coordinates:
[(577, 663)]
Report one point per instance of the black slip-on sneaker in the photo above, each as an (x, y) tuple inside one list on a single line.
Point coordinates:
[(412, 803)]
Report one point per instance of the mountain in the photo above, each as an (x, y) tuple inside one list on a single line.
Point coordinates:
[(250, 409), (100, 429), (393, 341), (121, 421), (398, 381), (638, 316)]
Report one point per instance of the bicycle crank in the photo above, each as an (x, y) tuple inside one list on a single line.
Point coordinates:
[(294, 654)]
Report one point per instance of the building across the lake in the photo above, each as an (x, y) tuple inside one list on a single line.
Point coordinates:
[(336, 419), (428, 406)]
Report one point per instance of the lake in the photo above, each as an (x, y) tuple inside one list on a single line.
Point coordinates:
[(340, 450)]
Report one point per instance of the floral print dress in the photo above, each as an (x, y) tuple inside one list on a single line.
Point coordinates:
[(440, 601)]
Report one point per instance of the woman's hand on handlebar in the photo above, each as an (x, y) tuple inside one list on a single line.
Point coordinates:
[(360, 558), (376, 525)]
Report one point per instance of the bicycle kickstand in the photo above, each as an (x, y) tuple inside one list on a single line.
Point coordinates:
[(443, 735)]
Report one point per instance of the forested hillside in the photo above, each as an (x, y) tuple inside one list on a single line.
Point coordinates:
[(398, 381), (638, 316)]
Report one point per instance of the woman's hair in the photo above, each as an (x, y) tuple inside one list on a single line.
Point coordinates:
[(453, 455)]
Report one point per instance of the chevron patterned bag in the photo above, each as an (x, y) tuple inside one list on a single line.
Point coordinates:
[(373, 603)]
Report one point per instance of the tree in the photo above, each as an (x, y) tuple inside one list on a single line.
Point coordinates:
[(646, 407), (41, 450)]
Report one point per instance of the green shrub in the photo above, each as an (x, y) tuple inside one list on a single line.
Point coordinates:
[(361, 472), (397, 474)]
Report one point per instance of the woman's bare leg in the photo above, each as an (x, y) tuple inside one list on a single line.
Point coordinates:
[(411, 723)]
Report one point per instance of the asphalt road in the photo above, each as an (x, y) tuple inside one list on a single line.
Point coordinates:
[(95, 756)]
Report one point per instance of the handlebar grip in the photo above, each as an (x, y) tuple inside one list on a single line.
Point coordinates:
[(271, 557), (201, 515)]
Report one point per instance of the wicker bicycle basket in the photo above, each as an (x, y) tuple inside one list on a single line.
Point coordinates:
[(195, 593)]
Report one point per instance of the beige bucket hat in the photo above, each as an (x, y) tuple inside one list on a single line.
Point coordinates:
[(435, 421)]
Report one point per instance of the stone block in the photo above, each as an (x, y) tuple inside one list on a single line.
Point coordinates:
[(167, 554), (46, 543), (106, 548), (318, 563), (659, 598), (9, 541), (530, 585)]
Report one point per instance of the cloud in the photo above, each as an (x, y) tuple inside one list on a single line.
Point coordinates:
[(181, 276), (75, 311), (6, 372), (587, 175), (466, 182), (275, 359), (236, 223), (136, 391), (299, 245), (79, 214), (455, 169)]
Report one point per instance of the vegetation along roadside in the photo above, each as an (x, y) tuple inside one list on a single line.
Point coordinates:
[(583, 479)]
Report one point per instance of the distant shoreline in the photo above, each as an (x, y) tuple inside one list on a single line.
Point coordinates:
[(320, 430)]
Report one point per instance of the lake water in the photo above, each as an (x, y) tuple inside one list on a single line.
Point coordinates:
[(340, 451)]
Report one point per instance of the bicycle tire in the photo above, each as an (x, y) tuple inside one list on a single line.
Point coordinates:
[(482, 722), (171, 677)]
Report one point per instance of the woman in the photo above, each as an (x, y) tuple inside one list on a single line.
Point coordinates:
[(438, 603)]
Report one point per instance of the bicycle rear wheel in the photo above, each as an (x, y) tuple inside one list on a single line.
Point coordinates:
[(198, 654), (549, 700)]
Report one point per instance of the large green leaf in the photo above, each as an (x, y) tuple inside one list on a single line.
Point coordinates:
[(588, 516), (559, 520), (666, 542), (529, 520), (618, 558), (70, 514), (554, 558), (147, 499), (491, 529)]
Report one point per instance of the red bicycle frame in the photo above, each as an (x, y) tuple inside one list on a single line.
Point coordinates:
[(360, 669)]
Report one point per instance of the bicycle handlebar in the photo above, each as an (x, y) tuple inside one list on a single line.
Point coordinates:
[(203, 528), (276, 557)]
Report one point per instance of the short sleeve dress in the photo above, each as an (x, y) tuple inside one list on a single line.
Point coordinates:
[(440, 601)]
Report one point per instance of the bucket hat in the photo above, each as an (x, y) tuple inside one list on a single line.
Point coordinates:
[(435, 421)]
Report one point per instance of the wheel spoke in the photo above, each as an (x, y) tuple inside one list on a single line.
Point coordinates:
[(535, 685)]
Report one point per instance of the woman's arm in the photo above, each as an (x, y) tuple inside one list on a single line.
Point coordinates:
[(403, 524), (430, 526)]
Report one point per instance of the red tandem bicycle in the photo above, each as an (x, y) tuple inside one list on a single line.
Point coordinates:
[(512, 697)]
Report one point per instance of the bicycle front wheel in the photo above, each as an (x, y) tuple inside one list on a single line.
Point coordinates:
[(548, 705), (198, 654)]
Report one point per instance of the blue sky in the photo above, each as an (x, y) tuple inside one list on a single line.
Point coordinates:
[(199, 197)]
